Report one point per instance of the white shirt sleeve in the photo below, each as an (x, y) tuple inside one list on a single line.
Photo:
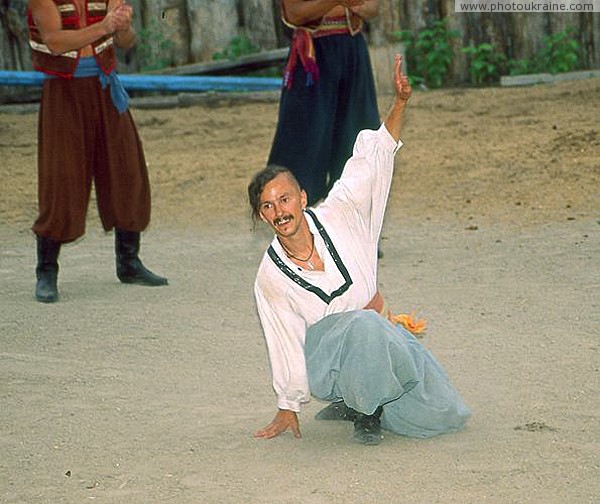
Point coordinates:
[(367, 177), (284, 332)]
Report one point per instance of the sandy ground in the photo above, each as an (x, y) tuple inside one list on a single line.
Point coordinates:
[(126, 394)]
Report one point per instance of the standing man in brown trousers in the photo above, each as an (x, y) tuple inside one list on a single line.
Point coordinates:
[(86, 133)]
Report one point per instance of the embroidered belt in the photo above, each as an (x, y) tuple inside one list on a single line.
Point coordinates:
[(302, 47), (332, 26)]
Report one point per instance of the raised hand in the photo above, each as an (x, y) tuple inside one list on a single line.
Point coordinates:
[(402, 85), (395, 118)]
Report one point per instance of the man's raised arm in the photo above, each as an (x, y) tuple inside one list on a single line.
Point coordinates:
[(395, 117)]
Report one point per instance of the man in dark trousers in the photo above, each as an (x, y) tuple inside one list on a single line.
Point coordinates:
[(329, 91)]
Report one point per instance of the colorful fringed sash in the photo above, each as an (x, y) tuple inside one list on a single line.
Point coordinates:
[(302, 44)]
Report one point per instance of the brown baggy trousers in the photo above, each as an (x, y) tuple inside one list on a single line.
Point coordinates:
[(82, 137)]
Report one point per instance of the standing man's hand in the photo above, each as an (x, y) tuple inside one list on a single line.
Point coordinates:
[(284, 420), (300, 12), (352, 4), (367, 9), (118, 17)]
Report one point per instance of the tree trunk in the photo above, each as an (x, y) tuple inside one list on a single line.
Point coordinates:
[(14, 48), (258, 23), (213, 23)]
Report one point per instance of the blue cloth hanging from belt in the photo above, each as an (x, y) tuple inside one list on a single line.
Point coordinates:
[(88, 67)]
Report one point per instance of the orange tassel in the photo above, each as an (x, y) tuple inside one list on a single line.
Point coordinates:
[(409, 323)]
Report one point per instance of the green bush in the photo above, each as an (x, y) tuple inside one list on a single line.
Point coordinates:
[(429, 52), (486, 64), (521, 67), (238, 46), (154, 48), (560, 53)]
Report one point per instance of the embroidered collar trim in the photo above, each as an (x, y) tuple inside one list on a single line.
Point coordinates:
[(286, 270)]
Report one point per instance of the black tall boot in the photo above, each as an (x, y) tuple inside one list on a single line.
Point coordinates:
[(130, 269), (46, 270), (367, 428), (337, 411)]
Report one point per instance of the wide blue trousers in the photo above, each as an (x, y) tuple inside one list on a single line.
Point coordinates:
[(363, 359)]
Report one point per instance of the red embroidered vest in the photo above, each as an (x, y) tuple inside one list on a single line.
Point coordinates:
[(63, 65)]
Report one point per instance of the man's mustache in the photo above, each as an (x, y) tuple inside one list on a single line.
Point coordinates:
[(279, 220)]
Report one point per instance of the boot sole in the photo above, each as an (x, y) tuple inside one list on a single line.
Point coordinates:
[(368, 440), (47, 300), (336, 411), (136, 281)]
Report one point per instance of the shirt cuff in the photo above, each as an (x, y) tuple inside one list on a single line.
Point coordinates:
[(282, 403), (387, 139)]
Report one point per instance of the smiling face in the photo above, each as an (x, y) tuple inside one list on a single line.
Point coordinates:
[(281, 205)]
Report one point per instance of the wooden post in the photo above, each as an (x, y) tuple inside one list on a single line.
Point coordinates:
[(212, 26), (259, 23)]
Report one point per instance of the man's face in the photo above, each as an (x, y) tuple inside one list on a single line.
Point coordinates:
[(281, 205)]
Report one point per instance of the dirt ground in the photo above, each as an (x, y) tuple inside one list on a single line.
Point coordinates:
[(126, 394)]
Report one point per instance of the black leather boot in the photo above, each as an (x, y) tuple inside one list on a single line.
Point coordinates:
[(130, 269), (367, 428), (46, 270), (337, 411)]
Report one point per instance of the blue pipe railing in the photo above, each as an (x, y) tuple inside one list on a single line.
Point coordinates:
[(172, 83)]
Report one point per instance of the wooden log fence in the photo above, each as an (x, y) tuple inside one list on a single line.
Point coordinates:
[(184, 35)]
